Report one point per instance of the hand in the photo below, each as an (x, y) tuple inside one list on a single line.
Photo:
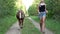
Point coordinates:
[(46, 11)]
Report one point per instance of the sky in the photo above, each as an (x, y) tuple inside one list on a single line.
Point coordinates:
[(27, 3)]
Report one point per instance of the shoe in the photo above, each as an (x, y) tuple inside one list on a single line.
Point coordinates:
[(43, 32)]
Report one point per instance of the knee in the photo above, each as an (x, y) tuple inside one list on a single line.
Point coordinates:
[(42, 21)]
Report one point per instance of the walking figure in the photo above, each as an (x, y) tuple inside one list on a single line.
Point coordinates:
[(42, 15), (20, 16)]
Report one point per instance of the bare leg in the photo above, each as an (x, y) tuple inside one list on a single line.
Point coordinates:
[(43, 24)]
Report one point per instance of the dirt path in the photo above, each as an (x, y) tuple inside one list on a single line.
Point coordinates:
[(14, 29), (38, 26)]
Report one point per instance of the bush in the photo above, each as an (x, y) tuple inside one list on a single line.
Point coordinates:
[(54, 7), (7, 7), (7, 14), (33, 8)]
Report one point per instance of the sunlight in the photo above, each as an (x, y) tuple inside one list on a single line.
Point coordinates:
[(27, 3), (18, 3)]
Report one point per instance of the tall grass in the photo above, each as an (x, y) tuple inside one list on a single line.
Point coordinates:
[(5, 23)]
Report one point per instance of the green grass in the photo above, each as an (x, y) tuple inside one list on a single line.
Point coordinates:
[(29, 28), (5, 23), (51, 24), (36, 18)]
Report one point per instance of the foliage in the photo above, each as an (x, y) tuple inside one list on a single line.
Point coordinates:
[(53, 6), (7, 7), (7, 14), (33, 8)]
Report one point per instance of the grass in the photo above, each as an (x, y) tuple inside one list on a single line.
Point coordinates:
[(51, 24), (5, 23), (29, 28), (36, 18)]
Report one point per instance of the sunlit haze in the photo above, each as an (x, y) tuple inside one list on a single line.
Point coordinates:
[(27, 3)]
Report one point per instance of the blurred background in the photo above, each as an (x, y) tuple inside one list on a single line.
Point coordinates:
[(9, 8)]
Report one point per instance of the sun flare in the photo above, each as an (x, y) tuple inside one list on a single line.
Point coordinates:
[(27, 3)]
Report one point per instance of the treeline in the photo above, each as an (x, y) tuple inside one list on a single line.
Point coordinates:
[(7, 7), (7, 14), (53, 6), (33, 8)]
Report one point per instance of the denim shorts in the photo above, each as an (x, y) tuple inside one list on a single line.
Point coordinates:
[(42, 14)]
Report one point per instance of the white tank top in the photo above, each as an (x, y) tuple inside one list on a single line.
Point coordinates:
[(42, 4)]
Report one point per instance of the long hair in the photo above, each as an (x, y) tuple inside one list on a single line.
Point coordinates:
[(42, 2)]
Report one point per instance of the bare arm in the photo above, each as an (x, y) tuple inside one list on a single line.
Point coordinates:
[(45, 9)]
